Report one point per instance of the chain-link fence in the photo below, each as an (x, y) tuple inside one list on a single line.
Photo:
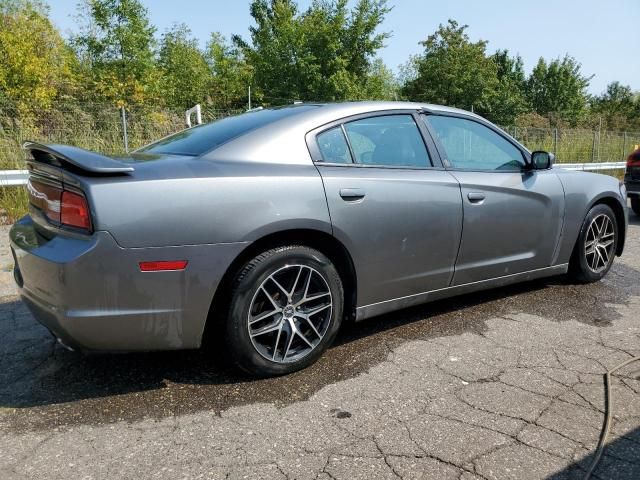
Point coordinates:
[(98, 127), (107, 129), (576, 145), (102, 127)]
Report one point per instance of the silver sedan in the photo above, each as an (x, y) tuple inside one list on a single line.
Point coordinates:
[(271, 228)]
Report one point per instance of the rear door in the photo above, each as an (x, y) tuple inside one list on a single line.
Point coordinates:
[(398, 211), (512, 216)]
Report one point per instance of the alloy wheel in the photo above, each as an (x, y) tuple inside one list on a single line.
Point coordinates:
[(599, 243), (290, 313)]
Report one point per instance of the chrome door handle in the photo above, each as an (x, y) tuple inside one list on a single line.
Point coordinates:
[(352, 194), (476, 197)]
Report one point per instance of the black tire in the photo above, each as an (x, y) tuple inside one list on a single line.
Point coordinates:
[(580, 265), (635, 205), (245, 289)]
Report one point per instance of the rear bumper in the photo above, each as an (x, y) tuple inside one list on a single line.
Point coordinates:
[(91, 294)]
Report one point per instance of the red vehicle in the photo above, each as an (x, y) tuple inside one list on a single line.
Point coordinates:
[(632, 179)]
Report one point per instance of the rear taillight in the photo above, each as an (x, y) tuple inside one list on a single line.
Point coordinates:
[(45, 197), (74, 211), (60, 206)]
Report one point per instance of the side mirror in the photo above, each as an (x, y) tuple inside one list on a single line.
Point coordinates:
[(542, 160)]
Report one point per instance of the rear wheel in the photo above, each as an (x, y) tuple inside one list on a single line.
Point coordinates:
[(595, 249), (286, 308), (635, 205)]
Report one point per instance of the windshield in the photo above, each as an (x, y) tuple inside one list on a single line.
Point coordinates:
[(203, 138)]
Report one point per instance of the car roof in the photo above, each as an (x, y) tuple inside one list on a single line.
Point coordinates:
[(345, 109), (283, 141), (389, 105)]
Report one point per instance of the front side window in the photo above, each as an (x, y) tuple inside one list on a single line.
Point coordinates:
[(333, 146), (390, 140), (470, 145)]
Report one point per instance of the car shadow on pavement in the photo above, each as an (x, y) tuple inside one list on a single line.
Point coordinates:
[(41, 384), (620, 460)]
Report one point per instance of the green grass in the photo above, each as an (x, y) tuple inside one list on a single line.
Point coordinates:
[(13, 204)]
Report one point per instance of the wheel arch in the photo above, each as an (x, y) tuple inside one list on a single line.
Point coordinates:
[(619, 211), (317, 239)]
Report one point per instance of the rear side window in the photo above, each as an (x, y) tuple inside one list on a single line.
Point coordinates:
[(333, 146), (390, 140), (203, 138), (470, 145)]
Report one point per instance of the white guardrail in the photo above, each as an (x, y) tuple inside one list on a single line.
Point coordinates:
[(592, 166), (10, 178)]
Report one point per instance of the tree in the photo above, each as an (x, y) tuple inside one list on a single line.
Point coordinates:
[(325, 53), (185, 72), (618, 105), (276, 48), (231, 76), (118, 45), (360, 42), (559, 89), (453, 71), (36, 65), (509, 100), (381, 83)]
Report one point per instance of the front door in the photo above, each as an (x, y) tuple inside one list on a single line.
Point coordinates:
[(512, 216)]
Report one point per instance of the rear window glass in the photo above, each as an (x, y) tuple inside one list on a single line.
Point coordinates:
[(203, 138), (333, 146)]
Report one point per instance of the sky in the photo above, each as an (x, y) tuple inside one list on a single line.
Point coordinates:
[(603, 36)]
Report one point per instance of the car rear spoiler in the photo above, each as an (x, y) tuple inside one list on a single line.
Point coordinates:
[(84, 160)]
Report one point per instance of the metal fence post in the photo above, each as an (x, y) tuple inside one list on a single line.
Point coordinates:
[(124, 129), (593, 146), (624, 147), (555, 141), (599, 133)]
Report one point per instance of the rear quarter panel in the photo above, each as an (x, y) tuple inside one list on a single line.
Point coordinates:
[(200, 201), (582, 191)]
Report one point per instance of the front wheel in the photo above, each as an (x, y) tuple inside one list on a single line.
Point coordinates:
[(286, 309), (635, 205), (596, 246)]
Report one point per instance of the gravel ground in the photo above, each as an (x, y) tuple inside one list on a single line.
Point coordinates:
[(497, 385)]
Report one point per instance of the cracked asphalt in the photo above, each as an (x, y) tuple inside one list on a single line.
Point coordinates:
[(496, 385)]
